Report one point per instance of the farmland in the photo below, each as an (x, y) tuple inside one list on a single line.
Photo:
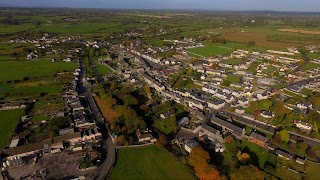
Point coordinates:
[(148, 162), (18, 70), (300, 31), (8, 124), (210, 51)]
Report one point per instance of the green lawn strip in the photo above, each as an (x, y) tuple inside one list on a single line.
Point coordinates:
[(310, 66), (8, 122), (233, 61), (148, 162), (258, 154)]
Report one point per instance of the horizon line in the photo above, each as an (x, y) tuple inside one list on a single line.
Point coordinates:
[(157, 9)]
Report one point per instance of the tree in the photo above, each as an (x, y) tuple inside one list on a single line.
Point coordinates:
[(244, 158), (162, 141), (250, 172), (284, 135), (302, 147), (147, 90), (198, 159), (198, 156), (265, 104)]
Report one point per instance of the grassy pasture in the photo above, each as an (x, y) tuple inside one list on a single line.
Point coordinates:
[(258, 154), (148, 162), (233, 61), (260, 39), (4, 29), (309, 66), (209, 51), (233, 78), (17, 70), (8, 122)]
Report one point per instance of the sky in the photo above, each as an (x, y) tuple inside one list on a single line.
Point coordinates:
[(275, 5)]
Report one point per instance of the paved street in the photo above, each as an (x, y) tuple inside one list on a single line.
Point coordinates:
[(108, 146)]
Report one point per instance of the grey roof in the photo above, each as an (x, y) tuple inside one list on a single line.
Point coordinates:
[(283, 153), (233, 128), (259, 137), (210, 129)]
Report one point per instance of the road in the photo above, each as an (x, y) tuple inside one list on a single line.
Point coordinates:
[(107, 145)]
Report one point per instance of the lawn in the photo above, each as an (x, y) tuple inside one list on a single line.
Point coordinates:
[(312, 170), (103, 70), (233, 61), (148, 162), (8, 122), (309, 66), (6, 90), (258, 154), (233, 79), (17, 70), (209, 51)]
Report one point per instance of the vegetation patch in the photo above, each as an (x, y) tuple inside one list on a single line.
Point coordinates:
[(18, 70), (148, 162), (8, 122), (210, 51), (310, 65)]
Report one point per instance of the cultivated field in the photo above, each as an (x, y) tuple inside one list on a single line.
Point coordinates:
[(147, 163), (8, 121), (300, 31)]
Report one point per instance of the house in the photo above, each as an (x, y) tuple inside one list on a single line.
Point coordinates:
[(190, 144), (166, 114), (182, 121), (284, 154), (304, 105), (23, 151), (267, 114), (199, 115), (217, 104), (66, 131), (243, 101), (266, 81), (193, 103), (300, 160), (261, 96), (145, 136), (227, 126), (210, 132), (258, 139), (303, 125), (14, 143), (240, 110)]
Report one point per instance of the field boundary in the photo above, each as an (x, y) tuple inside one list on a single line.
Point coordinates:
[(134, 146)]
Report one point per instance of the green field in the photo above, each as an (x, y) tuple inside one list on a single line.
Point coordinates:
[(258, 154), (233, 78), (6, 90), (310, 65), (210, 51), (233, 61), (148, 162), (8, 122), (103, 70), (17, 70), (15, 28)]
